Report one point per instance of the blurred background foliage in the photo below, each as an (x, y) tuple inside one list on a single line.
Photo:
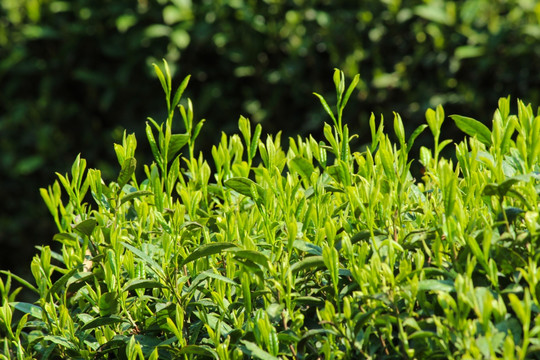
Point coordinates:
[(74, 74)]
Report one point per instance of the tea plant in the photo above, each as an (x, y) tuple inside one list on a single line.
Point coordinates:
[(311, 251)]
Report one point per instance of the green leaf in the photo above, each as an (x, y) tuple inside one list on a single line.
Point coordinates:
[(244, 185), (128, 168), (142, 284), (61, 282), (326, 107), (134, 195), (153, 145), (253, 255), (21, 280), (257, 352), (436, 285), (302, 166), (28, 308), (86, 227), (62, 341), (178, 141), (414, 135), (255, 141), (307, 263), (108, 304), (149, 261), (473, 128), (198, 350), (161, 78), (207, 250), (102, 321), (352, 86), (180, 91)]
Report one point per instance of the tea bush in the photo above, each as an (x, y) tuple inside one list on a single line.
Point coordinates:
[(68, 69), (310, 251)]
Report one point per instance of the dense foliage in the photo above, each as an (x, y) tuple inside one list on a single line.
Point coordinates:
[(301, 252), (74, 73)]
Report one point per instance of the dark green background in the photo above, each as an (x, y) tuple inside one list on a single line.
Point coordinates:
[(74, 74)]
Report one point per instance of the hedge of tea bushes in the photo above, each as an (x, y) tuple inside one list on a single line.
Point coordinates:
[(303, 251), (75, 73)]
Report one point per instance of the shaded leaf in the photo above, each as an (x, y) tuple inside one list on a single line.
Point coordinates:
[(102, 321), (307, 263), (207, 250)]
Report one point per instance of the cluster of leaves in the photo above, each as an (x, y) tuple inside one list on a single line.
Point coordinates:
[(68, 69), (304, 252)]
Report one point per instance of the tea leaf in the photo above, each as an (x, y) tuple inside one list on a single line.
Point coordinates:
[(202, 350), (244, 185), (307, 263), (134, 195), (254, 350), (178, 141), (128, 168), (142, 284), (473, 128), (108, 304), (102, 321), (302, 166), (61, 282), (28, 308), (86, 227), (207, 250)]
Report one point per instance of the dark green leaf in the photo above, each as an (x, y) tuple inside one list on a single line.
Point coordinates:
[(253, 255), (142, 284), (102, 321), (134, 195), (307, 263), (61, 282), (108, 304), (86, 227), (198, 350), (207, 250)]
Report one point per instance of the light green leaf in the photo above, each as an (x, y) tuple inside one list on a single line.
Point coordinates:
[(180, 91), (244, 185), (473, 128), (436, 285), (28, 308), (149, 261), (128, 168), (257, 352), (326, 107), (302, 166), (178, 141)]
